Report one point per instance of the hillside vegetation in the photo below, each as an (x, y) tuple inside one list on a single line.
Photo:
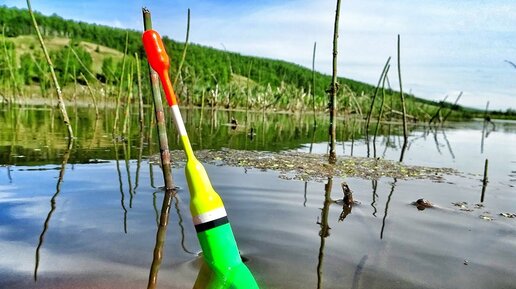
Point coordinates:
[(93, 54)]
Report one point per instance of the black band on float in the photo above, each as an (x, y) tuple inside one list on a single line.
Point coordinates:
[(211, 224)]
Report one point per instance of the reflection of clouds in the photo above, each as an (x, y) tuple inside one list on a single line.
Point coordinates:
[(86, 227)]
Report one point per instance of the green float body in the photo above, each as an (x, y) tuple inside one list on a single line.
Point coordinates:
[(217, 241)]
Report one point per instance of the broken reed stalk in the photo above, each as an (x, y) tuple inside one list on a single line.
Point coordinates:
[(165, 164), (313, 82), (140, 93), (484, 182), (332, 158), (120, 88), (183, 55), (381, 111), (451, 109), (92, 95), (60, 101), (438, 112), (405, 135)]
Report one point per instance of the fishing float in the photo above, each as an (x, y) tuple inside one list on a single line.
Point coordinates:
[(220, 250)]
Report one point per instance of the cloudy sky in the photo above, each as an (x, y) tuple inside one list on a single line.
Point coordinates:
[(447, 46)]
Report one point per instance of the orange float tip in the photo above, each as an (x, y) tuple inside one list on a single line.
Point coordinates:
[(159, 61)]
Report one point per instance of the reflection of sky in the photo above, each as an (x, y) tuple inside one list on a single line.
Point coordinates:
[(447, 46), (273, 227), (86, 230)]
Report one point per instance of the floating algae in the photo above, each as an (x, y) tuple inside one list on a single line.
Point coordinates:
[(313, 167)]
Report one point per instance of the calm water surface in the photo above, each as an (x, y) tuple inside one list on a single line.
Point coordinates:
[(93, 222)]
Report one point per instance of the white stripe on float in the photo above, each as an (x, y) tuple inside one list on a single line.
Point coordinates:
[(178, 120), (210, 216)]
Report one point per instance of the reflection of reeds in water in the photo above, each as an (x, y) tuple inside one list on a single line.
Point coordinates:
[(122, 198), (160, 239), (138, 163), (374, 184), (324, 232), (387, 207), (484, 182), (46, 224), (127, 155)]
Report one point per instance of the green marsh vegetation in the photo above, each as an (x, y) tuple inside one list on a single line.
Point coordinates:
[(97, 66)]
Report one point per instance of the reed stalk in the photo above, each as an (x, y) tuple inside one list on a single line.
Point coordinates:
[(140, 93), (202, 109), (382, 76), (454, 104), (313, 83), (381, 111), (60, 101), (405, 134), (92, 95), (373, 101), (82, 63), (10, 66), (120, 88), (127, 115), (166, 167), (438, 112), (332, 158), (185, 47)]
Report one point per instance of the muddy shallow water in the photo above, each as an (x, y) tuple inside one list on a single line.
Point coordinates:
[(97, 227)]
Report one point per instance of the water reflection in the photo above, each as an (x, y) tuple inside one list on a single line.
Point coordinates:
[(121, 186), (393, 185), (374, 184), (46, 224), (160, 238), (324, 231)]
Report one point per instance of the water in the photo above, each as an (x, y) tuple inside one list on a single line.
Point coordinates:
[(95, 227)]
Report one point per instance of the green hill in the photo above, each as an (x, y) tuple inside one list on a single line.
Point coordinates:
[(212, 76)]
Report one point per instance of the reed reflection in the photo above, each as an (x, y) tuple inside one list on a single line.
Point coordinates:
[(387, 207), (324, 232), (160, 238), (121, 186), (53, 206), (374, 184), (347, 205)]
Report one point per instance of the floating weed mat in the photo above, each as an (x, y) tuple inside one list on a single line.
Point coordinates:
[(313, 167)]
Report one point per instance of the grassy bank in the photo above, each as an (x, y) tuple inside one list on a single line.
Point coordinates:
[(89, 60)]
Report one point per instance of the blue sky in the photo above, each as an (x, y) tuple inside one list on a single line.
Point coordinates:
[(447, 46)]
